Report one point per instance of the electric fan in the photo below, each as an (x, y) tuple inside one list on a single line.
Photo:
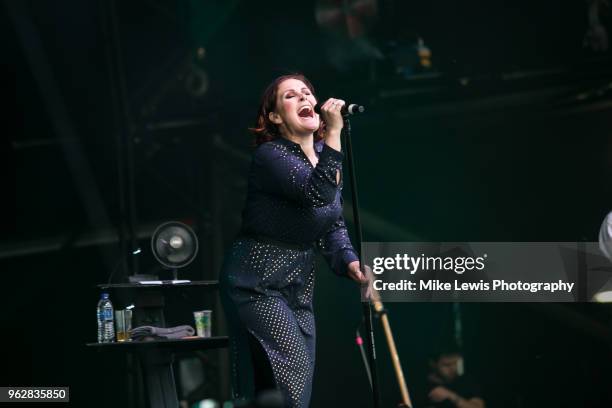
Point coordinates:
[(175, 246)]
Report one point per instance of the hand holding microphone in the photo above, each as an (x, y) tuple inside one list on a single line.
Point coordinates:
[(346, 109), (332, 112)]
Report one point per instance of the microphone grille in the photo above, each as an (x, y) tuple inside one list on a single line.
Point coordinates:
[(354, 108)]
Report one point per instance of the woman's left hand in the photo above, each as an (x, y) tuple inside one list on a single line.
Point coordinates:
[(332, 116)]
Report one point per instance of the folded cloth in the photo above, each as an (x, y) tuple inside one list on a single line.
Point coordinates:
[(177, 332)]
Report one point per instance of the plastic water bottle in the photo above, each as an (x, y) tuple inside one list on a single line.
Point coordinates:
[(106, 317)]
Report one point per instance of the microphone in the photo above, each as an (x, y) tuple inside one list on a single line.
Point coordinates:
[(347, 109)]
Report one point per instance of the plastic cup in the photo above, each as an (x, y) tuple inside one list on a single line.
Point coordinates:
[(203, 322), (120, 325), (123, 324), (128, 324)]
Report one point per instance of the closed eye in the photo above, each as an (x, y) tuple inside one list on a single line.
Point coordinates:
[(291, 95)]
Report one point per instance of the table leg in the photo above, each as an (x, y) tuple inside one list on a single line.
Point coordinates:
[(159, 378)]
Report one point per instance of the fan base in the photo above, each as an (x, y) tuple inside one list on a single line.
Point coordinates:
[(141, 277)]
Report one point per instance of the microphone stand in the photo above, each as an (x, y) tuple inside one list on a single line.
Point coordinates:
[(367, 309)]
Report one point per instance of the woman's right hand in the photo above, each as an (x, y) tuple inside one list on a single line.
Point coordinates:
[(365, 278)]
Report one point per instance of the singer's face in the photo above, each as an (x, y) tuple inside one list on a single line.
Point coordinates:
[(295, 108)]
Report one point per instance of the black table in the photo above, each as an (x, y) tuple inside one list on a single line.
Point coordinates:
[(164, 285), (156, 357)]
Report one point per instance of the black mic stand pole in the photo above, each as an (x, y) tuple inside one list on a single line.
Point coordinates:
[(367, 308)]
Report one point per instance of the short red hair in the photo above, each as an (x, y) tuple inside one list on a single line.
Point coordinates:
[(264, 130)]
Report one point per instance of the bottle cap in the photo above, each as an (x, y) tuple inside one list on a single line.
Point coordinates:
[(104, 295)]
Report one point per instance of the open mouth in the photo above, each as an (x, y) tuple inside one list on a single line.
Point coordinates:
[(306, 112)]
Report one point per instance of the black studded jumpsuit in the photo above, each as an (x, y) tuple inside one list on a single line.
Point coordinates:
[(267, 278)]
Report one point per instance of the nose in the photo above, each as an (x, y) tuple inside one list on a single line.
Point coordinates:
[(302, 96)]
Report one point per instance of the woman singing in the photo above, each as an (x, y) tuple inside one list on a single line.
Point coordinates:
[(294, 206)]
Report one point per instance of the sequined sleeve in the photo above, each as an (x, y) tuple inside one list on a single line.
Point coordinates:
[(282, 172), (336, 247)]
